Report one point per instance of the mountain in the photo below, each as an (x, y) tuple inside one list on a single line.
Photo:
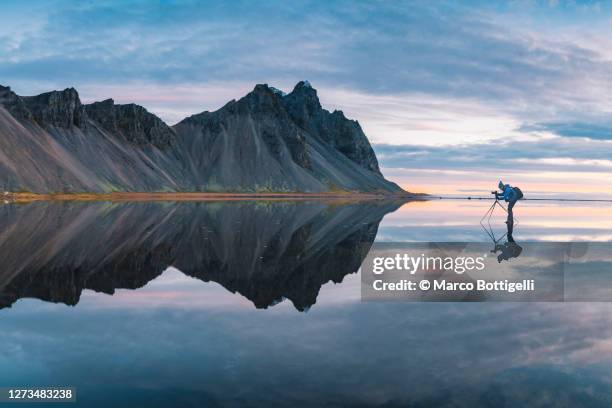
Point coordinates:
[(264, 142), (265, 251)]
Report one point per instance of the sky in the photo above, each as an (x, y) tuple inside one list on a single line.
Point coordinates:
[(453, 95)]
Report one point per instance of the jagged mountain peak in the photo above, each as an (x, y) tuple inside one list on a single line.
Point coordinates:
[(65, 96), (262, 88), (305, 91), (302, 103), (69, 92), (133, 122), (13, 103), (277, 91), (303, 84), (61, 109), (105, 102), (304, 87), (261, 98)]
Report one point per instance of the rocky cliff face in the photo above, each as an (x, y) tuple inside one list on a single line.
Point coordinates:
[(334, 128), (62, 109), (14, 104), (132, 122), (263, 142)]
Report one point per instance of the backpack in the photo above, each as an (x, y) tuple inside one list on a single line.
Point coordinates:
[(519, 193)]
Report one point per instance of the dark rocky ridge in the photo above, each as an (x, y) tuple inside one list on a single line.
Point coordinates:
[(263, 142), (57, 108), (14, 104), (133, 122), (334, 128), (265, 107)]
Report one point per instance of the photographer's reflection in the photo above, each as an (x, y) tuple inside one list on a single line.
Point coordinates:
[(510, 249)]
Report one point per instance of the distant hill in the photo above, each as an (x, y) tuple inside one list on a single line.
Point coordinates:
[(265, 142)]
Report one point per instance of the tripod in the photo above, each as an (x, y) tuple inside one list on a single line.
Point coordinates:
[(487, 216)]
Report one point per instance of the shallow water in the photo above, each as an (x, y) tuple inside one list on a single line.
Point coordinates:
[(259, 303)]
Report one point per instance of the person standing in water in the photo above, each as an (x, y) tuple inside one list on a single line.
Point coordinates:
[(511, 195)]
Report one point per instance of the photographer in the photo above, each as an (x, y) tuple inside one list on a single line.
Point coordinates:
[(511, 195)]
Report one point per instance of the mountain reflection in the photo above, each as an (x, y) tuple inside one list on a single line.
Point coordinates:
[(266, 251)]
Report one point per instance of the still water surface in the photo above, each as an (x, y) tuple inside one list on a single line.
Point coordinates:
[(251, 304)]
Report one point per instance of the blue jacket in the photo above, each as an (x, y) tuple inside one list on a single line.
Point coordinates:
[(508, 193)]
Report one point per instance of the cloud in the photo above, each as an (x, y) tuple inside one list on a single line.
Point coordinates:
[(444, 49), (552, 166), (536, 153), (573, 129)]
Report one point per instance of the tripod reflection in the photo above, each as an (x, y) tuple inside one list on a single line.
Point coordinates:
[(508, 249)]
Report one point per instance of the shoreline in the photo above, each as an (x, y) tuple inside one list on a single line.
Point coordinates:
[(141, 196)]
